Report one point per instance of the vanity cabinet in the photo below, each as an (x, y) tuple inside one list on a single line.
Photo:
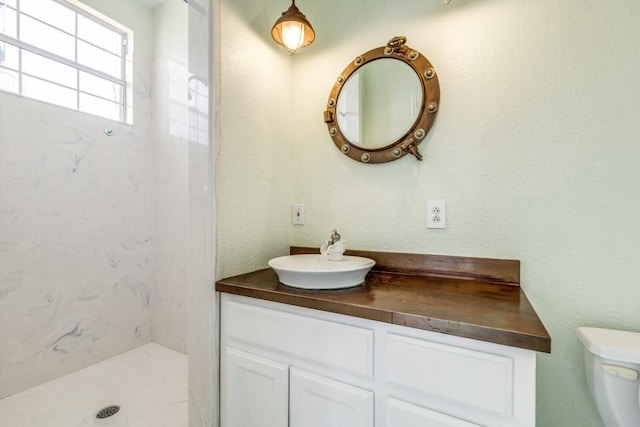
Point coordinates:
[(284, 365), (276, 368)]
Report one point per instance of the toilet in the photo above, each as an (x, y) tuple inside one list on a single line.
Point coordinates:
[(612, 362)]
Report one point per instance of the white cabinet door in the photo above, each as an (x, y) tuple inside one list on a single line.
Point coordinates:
[(254, 391), (316, 401), (403, 414)]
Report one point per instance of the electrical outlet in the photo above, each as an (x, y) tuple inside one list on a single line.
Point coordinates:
[(436, 214), (298, 214)]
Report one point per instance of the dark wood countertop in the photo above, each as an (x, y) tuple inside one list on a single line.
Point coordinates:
[(468, 297)]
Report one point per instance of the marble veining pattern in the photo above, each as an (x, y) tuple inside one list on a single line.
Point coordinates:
[(170, 154), (75, 242), (76, 234)]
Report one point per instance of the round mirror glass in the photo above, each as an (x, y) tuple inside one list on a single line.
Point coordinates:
[(379, 103)]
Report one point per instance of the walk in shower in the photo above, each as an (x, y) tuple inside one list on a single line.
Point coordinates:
[(95, 214)]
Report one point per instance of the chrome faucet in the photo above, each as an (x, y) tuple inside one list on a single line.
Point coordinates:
[(335, 237), (334, 247)]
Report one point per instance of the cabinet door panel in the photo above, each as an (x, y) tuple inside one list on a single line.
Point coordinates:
[(467, 377), (254, 391), (320, 402), (319, 341), (403, 414)]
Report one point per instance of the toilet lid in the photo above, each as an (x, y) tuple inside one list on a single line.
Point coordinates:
[(623, 346)]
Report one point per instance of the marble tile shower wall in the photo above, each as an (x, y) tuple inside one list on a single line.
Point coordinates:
[(76, 228), (75, 243), (170, 135)]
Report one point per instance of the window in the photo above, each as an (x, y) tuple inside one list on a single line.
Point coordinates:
[(60, 53)]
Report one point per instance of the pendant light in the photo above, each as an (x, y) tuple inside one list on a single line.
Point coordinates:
[(292, 30)]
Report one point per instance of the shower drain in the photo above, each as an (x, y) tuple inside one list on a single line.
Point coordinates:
[(107, 412)]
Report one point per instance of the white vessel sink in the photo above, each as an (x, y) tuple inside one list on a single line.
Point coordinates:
[(311, 271)]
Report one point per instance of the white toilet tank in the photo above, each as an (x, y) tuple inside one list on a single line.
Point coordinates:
[(612, 362)]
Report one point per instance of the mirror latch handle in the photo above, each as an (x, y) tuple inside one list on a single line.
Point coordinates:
[(411, 147), (328, 117)]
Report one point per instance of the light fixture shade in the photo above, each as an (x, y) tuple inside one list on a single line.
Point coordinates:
[(292, 31)]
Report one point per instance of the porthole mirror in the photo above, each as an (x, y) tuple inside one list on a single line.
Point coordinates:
[(383, 104)]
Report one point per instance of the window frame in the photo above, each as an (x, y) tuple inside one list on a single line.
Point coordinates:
[(122, 82)]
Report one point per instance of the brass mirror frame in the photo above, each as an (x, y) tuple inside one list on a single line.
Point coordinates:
[(409, 141)]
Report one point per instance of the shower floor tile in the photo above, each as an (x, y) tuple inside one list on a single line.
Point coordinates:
[(148, 383)]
